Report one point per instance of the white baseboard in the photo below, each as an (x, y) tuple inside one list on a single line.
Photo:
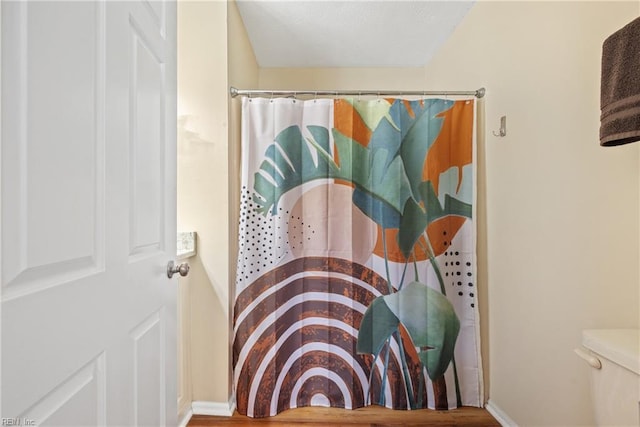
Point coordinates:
[(182, 422), (500, 415), (219, 409)]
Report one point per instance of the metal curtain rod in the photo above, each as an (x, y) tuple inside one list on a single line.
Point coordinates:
[(259, 92)]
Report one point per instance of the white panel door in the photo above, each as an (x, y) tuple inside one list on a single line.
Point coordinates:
[(88, 181)]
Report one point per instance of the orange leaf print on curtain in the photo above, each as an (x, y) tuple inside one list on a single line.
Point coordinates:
[(452, 147), (349, 123)]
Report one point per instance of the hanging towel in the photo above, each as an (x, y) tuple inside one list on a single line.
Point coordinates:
[(620, 87)]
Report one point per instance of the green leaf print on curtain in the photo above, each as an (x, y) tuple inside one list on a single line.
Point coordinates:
[(428, 316)]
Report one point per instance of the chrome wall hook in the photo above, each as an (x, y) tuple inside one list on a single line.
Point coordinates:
[(503, 127)]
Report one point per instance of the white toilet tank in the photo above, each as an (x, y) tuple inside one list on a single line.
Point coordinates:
[(615, 386)]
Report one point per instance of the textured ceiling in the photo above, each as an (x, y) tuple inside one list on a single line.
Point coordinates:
[(349, 33)]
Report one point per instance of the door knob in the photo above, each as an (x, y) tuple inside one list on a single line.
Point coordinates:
[(172, 268)]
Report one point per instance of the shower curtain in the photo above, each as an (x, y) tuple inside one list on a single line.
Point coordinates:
[(356, 280)]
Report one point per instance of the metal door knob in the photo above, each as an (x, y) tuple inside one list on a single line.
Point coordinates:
[(172, 268)]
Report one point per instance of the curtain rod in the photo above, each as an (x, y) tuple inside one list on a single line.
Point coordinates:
[(259, 92)]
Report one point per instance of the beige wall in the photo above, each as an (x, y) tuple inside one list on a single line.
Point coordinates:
[(560, 232), (562, 212), (559, 224), (203, 188), (213, 53)]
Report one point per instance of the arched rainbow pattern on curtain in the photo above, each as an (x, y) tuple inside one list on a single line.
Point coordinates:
[(306, 349)]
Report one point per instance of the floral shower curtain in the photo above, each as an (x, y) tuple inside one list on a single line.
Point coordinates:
[(356, 270)]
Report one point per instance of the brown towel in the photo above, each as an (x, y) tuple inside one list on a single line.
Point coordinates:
[(620, 87)]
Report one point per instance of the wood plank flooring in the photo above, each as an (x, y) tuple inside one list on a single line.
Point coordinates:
[(371, 416)]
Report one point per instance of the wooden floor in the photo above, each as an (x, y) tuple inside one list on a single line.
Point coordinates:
[(371, 416)]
